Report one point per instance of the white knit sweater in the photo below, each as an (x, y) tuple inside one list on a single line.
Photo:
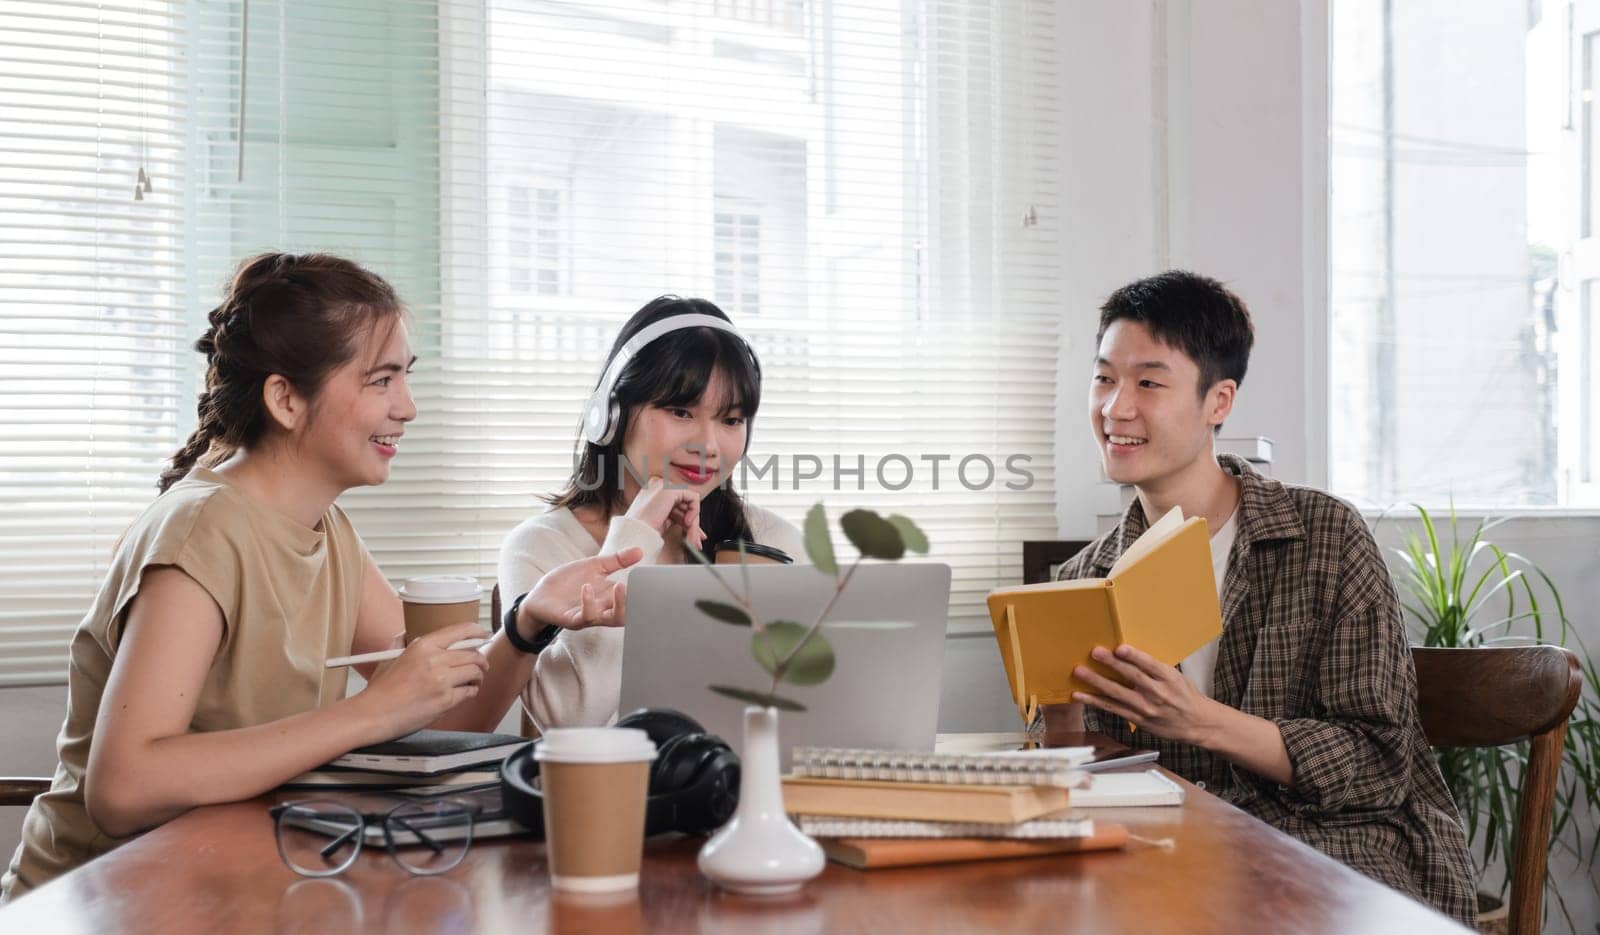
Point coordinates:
[(577, 680)]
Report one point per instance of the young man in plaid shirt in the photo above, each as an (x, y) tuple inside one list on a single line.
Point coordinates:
[(1303, 713)]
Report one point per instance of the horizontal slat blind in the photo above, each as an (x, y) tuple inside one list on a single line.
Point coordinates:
[(93, 357), (341, 154), (865, 188)]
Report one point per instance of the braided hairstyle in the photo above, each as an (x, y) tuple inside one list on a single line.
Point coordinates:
[(298, 316)]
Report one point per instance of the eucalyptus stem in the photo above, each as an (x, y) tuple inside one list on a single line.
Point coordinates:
[(838, 589), (743, 600), (785, 649)]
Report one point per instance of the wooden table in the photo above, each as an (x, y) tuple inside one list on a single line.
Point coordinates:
[(216, 869)]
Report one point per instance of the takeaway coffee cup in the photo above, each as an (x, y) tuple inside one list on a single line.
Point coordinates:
[(727, 553), (594, 782), (434, 602)]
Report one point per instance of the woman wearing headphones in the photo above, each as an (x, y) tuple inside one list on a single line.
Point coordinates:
[(667, 426)]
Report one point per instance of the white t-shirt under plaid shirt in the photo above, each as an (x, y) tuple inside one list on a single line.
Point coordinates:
[(1200, 664)]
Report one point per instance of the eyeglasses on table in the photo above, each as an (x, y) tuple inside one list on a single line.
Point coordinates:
[(323, 837)]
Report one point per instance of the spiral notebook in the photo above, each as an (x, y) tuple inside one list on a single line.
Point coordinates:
[(1056, 766), (839, 826)]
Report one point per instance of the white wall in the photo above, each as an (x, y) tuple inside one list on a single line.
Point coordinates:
[(1192, 135), (1195, 137)]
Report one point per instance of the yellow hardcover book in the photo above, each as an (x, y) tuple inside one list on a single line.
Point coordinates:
[(920, 801), (1161, 596)]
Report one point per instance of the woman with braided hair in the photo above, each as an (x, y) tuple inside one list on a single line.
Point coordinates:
[(198, 674)]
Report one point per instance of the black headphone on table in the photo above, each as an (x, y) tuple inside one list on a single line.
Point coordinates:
[(694, 779)]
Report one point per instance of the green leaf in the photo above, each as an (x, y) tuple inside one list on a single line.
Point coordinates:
[(764, 699), (809, 664), (744, 570), (872, 535), (727, 613), (913, 537), (819, 545), (695, 553)]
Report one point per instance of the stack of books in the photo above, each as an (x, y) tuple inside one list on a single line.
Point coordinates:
[(426, 762), (873, 808)]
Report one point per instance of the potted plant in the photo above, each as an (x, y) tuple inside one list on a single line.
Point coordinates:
[(1470, 592), (760, 851)]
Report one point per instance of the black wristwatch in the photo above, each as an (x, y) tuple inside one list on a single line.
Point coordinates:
[(540, 640)]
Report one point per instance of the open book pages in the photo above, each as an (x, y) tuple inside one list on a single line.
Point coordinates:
[(1160, 531)]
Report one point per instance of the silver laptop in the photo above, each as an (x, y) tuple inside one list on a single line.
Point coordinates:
[(887, 633)]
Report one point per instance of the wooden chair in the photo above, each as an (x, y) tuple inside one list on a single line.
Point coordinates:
[(528, 730), (1041, 557), (22, 790), (1492, 696)]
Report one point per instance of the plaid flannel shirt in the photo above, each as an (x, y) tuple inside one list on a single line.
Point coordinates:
[(1312, 640)]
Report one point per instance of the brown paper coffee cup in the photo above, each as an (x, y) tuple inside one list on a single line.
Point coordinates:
[(434, 602), (594, 782)]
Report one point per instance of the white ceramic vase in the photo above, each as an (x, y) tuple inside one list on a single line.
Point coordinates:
[(760, 852)]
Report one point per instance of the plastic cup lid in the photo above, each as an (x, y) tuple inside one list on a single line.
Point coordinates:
[(594, 745), (441, 589)]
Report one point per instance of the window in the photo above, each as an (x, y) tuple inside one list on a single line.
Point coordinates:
[(784, 15), (853, 186), (870, 193), (534, 240), (1463, 255), (760, 225), (738, 267), (94, 369)]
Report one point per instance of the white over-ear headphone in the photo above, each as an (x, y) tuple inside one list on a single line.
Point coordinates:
[(602, 412)]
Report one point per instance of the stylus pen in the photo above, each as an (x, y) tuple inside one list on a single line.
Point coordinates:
[(387, 654)]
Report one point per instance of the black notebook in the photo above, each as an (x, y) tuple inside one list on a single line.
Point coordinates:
[(427, 752), (341, 777)]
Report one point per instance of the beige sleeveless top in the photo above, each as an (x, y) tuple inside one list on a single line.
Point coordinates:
[(289, 597)]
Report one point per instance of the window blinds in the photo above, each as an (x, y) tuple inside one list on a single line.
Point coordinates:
[(93, 341), (867, 189)]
